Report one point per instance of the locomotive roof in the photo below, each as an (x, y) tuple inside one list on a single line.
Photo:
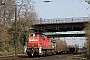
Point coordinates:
[(37, 33)]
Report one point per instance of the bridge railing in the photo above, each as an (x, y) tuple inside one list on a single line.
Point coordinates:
[(62, 20)]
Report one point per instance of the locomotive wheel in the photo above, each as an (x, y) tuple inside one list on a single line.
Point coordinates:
[(57, 53), (44, 53), (29, 55), (49, 52)]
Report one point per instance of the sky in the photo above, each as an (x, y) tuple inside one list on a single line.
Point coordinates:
[(62, 8)]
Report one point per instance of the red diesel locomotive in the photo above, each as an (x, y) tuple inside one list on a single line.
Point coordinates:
[(38, 44)]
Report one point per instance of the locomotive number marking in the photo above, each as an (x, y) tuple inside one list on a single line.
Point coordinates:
[(33, 40)]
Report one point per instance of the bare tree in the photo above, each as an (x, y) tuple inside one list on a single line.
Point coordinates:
[(61, 45), (25, 16), (88, 1), (7, 12), (87, 30)]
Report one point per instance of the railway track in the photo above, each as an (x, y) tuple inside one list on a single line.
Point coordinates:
[(53, 57)]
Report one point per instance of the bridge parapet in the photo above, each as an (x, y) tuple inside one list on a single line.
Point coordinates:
[(62, 20)]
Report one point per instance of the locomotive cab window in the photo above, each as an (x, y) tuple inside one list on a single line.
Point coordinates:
[(42, 35), (33, 34)]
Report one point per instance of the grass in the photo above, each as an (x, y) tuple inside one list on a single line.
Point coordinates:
[(79, 57), (1, 55), (8, 49), (1, 49)]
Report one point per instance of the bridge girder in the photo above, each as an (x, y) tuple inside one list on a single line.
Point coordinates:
[(59, 27)]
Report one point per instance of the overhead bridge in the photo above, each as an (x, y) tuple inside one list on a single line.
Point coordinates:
[(61, 25), (58, 25)]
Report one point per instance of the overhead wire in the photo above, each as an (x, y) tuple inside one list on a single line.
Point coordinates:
[(76, 11), (43, 10), (65, 15)]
